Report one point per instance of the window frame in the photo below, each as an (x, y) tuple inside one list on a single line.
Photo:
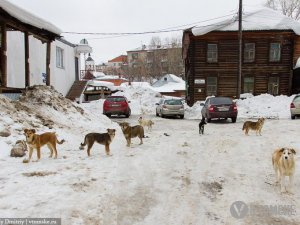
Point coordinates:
[(253, 84), (208, 92), (60, 58), (248, 51), (272, 52), (214, 53)]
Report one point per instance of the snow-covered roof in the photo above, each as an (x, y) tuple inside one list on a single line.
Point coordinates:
[(169, 83), (259, 20), (96, 83), (28, 18), (154, 47)]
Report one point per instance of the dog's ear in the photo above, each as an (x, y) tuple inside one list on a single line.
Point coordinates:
[(293, 151), (281, 150), (25, 130), (33, 131)]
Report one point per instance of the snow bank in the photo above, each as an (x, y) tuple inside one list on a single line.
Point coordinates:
[(265, 105)]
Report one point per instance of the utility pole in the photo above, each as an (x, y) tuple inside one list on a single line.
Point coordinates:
[(239, 84)]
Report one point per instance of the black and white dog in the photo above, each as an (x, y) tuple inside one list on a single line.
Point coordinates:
[(201, 125)]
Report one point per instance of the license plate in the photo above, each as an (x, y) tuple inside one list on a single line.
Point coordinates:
[(222, 109), (114, 105)]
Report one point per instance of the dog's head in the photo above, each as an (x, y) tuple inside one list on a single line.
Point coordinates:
[(29, 133), (287, 153), (261, 120), (124, 125), (111, 132)]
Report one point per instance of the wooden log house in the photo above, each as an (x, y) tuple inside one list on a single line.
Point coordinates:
[(271, 48), (13, 18)]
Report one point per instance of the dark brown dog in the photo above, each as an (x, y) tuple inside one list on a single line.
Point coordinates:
[(132, 132), (101, 138)]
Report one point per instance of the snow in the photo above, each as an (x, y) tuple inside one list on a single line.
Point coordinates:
[(169, 83), (180, 178), (259, 20), (97, 83), (27, 17)]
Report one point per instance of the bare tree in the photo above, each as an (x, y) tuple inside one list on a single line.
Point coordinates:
[(290, 8)]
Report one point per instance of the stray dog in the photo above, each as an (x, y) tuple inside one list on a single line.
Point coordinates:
[(34, 140), (104, 139), (201, 125), (284, 165), (146, 123), (132, 132), (257, 126)]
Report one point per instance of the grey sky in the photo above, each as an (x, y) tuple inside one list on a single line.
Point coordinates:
[(126, 16)]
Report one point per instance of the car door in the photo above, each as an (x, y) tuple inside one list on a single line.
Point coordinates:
[(158, 108)]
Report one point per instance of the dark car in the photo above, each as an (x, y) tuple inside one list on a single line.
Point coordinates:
[(116, 105), (219, 107)]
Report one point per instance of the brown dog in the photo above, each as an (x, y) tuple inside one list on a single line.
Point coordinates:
[(132, 132), (34, 140), (257, 126), (284, 165), (104, 139)]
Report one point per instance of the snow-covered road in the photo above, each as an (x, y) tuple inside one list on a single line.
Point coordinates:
[(180, 179)]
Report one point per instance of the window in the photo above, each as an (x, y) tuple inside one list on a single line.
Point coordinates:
[(249, 85), (59, 57), (273, 85), (212, 53), (211, 86), (274, 52), (249, 52), (135, 55)]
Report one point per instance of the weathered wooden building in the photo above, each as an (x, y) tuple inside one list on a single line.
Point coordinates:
[(271, 47)]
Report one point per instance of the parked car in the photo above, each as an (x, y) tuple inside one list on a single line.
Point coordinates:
[(170, 107), (116, 105), (219, 107), (295, 107)]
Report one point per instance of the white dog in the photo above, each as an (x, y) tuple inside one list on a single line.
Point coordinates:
[(284, 165), (146, 123)]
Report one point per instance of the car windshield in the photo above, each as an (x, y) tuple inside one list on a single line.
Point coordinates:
[(116, 99), (173, 102), (219, 101)]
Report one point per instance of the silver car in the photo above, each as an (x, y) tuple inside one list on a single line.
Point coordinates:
[(170, 107), (295, 107)]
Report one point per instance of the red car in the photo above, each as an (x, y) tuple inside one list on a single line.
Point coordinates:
[(219, 107), (116, 105)]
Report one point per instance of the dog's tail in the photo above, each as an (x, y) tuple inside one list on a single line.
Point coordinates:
[(84, 142), (60, 142), (244, 126)]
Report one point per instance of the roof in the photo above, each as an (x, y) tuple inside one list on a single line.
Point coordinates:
[(155, 47), (169, 83), (259, 20), (89, 59), (28, 18), (121, 58)]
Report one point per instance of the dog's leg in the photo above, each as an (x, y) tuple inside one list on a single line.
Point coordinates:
[(38, 152), (107, 150), (141, 142), (128, 142), (30, 154), (90, 145), (260, 131), (291, 181), (55, 151), (51, 150), (277, 175), (282, 183)]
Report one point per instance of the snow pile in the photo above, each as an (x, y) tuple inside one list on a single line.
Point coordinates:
[(265, 105), (193, 112), (43, 108), (142, 99), (169, 83)]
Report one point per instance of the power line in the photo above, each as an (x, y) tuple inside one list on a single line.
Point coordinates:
[(165, 30)]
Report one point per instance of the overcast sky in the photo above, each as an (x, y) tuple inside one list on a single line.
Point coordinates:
[(126, 16)]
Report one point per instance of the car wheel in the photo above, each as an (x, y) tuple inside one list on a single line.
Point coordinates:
[(108, 115), (293, 117), (157, 113), (127, 115), (233, 119), (181, 116), (208, 120)]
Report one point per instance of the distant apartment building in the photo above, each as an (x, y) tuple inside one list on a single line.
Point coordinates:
[(155, 61)]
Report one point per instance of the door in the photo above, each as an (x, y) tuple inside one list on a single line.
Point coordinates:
[(273, 85), (76, 68)]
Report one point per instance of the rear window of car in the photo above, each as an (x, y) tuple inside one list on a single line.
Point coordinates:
[(297, 99), (116, 99), (218, 101), (173, 102)]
